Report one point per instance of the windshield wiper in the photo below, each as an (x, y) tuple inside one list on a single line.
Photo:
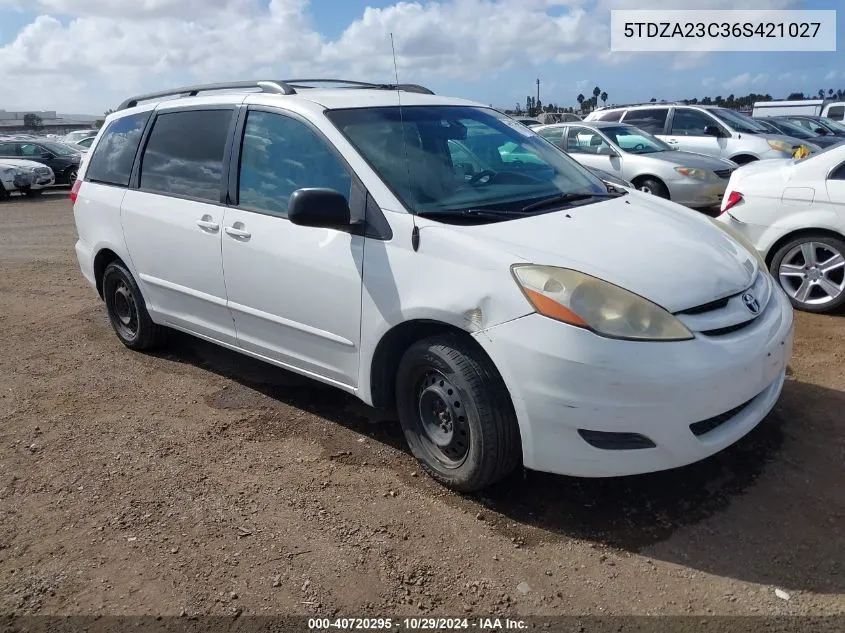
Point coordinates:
[(567, 197), (472, 213)]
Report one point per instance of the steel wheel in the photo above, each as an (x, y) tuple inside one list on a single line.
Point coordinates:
[(125, 311), (442, 419), (813, 274)]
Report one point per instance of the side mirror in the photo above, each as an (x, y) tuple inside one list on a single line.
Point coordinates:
[(712, 130), (607, 151), (322, 208), (47, 155)]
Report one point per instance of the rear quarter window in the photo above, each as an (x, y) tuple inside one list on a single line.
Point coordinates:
[(111, 162), (652, 120)]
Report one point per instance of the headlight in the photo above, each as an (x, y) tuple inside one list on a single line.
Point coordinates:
[(781, 146), (694, 172), (743, 241), (588, 302), (8, 171)]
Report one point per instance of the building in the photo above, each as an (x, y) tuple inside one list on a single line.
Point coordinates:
[(53, 123)]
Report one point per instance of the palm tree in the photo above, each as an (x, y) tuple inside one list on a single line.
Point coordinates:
[(603, 98), (830, 93), (821, 93), (580, 99)]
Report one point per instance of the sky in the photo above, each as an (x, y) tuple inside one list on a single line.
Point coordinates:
[(85, 56)]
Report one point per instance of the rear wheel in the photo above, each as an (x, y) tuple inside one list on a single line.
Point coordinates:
[(456, 414), (811, 270), (70, 175), (654, 187), (127, 310)]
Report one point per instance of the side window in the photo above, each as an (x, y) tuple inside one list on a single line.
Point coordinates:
[(8, 149), (652, 120), (688, 122), (837, 113), (280, 155), (112, 161), (29, 150), (581, 140), (807, 125), (611, 116), (184, 155), (838, 173)]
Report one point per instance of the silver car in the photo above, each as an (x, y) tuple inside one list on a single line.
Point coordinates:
[(691, 179)]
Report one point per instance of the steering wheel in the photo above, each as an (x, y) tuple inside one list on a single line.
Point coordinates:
[(484, 174), (639, 146)]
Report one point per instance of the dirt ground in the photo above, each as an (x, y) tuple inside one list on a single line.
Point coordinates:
[(196, 481)]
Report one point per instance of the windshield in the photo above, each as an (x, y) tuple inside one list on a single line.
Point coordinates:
[(59, 149), (634, 140), (790, 129), (739, 122), (442, 159)]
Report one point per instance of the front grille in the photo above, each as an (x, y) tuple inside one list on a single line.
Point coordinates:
[(705, 426), (707, 307), (723, 173), (722, 331), (615, 441)]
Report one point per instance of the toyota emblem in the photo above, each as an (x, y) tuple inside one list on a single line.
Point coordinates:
[(751, 303)]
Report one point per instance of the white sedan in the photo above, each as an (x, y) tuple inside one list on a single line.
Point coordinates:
[(793, 211)]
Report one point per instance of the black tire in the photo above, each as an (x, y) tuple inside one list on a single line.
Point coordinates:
[(825, 247), (3, 193), (127, 310), (70, 175), (654, 187), (456, 414)]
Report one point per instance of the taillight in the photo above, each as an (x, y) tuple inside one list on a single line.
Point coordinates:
[(74, 191), (734, 198)]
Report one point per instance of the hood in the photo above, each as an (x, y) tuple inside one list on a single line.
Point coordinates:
[(690, 159), (20, 162), (675, 257)]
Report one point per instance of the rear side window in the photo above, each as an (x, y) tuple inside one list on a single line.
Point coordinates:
[(652, 120), (112, 161), (184, 156), (8, 149), (690, 122), (611, 116)]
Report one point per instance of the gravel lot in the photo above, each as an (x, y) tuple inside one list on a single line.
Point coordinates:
[(199, 481)]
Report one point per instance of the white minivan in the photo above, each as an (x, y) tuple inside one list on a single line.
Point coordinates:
[(528, 313)]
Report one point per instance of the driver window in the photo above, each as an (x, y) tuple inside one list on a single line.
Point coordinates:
[(580, 140), (30, 150), (690, 123)]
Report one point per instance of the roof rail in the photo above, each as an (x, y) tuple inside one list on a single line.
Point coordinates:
[(271, 86), (297, 83)]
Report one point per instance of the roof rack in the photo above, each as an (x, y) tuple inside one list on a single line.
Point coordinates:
[(284, 87), (643, 103)]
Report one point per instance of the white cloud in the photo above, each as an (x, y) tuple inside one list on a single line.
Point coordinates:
[(112, 47), (738, 81), (759, 79), (708, 82), (831, 75)]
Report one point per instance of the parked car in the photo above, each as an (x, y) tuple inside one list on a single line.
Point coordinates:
[(694, 180), (711, 130), (529, 121), (818, 125), (78, 135), (557, 117), (61, 159), (794, 214), (24, 176), (515, 316), (780, 125)]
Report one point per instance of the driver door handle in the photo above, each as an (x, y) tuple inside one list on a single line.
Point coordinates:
[(237, 232), (207, 224)]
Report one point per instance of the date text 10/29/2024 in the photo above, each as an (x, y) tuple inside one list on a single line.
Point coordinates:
[(415, 624)]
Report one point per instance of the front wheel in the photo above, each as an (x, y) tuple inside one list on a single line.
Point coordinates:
[(654, 187), (127, 310), (811, 270), (70, 175), (456, 414)]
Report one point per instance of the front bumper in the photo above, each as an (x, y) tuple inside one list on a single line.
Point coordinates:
[(691, 193), (563, 379)]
